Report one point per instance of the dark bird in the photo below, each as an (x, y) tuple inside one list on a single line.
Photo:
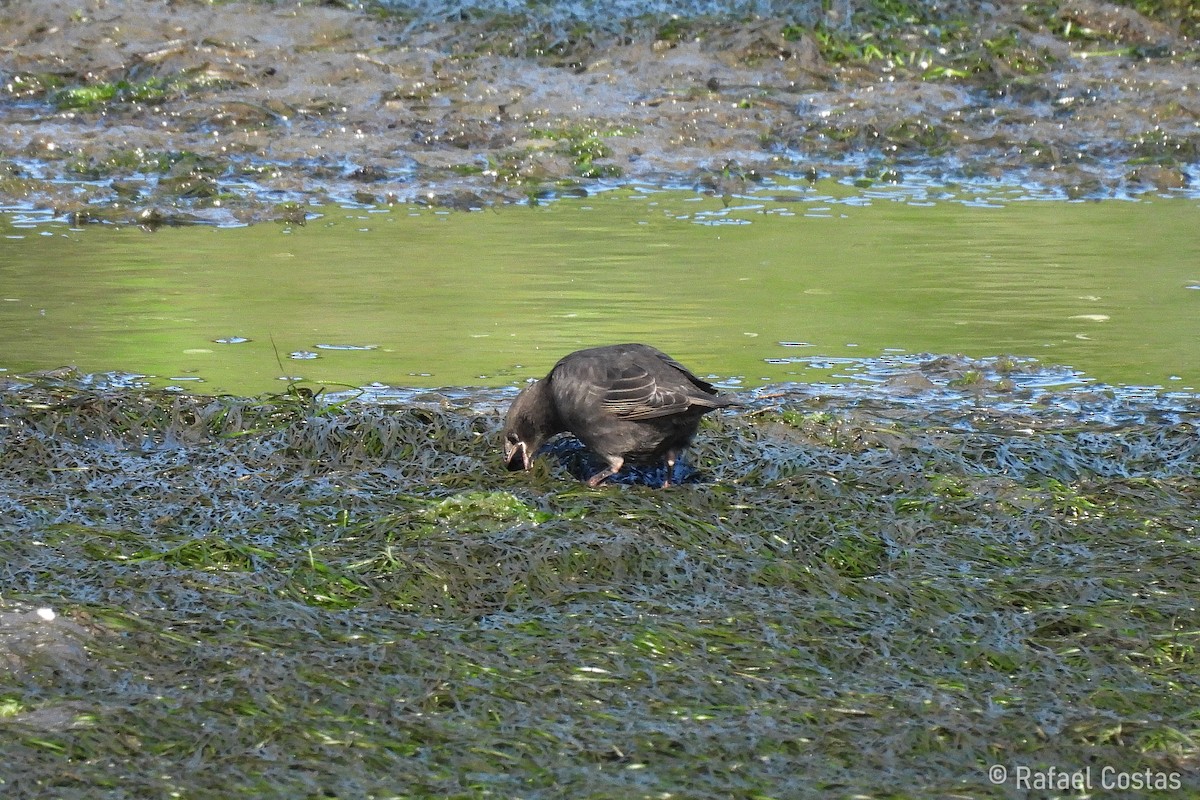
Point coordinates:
[(625, 402)]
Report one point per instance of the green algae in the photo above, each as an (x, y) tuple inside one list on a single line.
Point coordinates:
[(859, 595)]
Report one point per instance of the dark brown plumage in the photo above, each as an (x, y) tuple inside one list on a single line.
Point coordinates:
[(625, 402)]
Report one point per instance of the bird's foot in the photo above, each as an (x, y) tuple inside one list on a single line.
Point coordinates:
[(600, 477)]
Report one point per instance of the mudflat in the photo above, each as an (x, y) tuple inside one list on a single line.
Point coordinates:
[(242, 111)]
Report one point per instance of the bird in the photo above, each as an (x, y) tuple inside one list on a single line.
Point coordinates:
[(624, 402)]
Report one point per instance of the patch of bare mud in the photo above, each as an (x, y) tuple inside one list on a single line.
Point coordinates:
[(234, 112)]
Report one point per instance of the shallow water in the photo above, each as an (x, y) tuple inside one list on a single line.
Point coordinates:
[(794, 282)]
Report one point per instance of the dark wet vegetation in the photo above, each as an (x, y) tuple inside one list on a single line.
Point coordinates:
[(241, 111), (858, 592)]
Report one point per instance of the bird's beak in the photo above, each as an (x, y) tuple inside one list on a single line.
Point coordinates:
[(516, 457)]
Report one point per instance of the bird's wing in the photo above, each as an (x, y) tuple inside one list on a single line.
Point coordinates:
[(633, 392), (702, 385)]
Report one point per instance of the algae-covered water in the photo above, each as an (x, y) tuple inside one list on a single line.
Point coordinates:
[(782, 284)]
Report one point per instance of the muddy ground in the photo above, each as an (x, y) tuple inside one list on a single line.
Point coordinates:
[(225, 112)]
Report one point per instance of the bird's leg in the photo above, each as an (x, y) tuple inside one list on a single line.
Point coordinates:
[(671, 454), (614, 466)]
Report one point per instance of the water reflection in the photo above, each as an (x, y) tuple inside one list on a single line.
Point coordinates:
[(421, 298)]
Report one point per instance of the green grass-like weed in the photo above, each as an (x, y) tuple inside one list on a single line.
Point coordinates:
[(585, 146), (852, 598)]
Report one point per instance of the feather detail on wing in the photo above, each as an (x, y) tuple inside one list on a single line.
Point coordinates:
[(702, 385), (635, 394)]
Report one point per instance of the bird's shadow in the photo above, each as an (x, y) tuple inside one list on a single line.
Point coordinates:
[(583, 464)]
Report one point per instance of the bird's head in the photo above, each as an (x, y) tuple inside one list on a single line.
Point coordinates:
[(531, 420)]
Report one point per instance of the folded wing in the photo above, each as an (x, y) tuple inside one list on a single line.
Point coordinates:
[(659, 387)]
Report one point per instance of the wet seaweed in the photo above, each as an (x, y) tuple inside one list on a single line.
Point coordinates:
[(871, 593)]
